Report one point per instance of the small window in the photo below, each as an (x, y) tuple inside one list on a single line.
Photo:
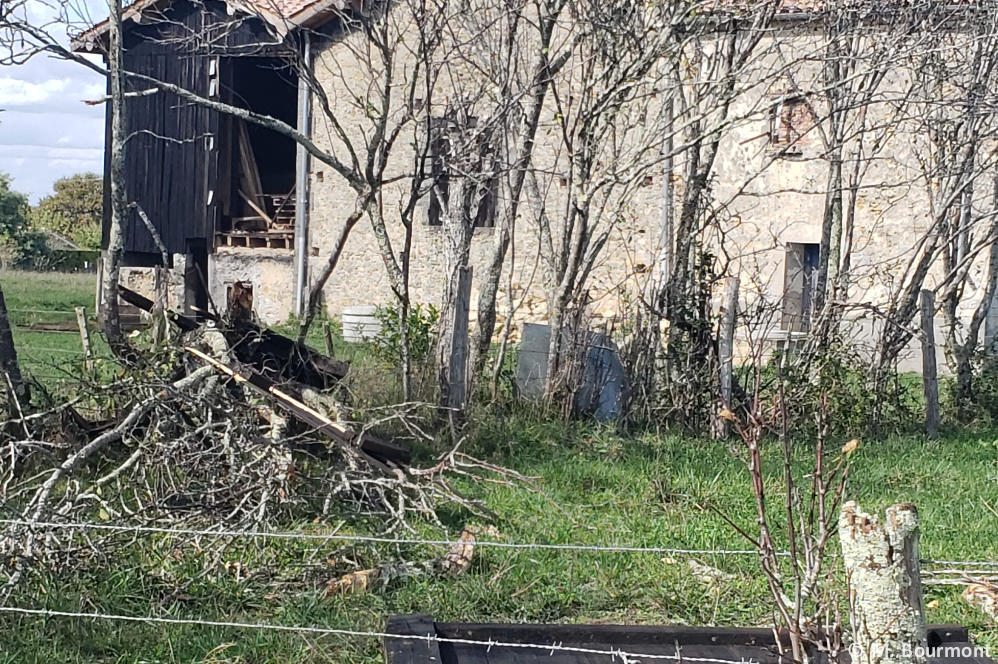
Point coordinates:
[(799, 283), (789, 122), (440, 177)]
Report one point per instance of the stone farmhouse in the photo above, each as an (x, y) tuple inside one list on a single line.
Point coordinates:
[(233, 201)]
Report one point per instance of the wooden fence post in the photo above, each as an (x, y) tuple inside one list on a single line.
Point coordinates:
[(88, 355), (160, 325), (726, 351), (458, 379), (929, 379), (885, 585), (327, 336)]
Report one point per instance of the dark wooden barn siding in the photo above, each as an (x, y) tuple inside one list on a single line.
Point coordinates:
[(171, 156)]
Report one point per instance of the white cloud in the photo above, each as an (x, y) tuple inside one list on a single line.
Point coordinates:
[(14, 92), (46, 131)]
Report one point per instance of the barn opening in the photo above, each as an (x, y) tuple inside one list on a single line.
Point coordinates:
[(260, 208)]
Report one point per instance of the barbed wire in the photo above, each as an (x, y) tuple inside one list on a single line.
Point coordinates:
[(248, 534), (34, 349), (986, 565), (491, 643)]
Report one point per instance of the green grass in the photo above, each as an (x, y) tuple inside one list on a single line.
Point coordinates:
[(50, 297), (55, 291), (643, 490), (599, 487)]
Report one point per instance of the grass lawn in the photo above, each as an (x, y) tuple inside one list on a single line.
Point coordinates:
[(47, 298), (599, 488), (48, 291), (644, 490)]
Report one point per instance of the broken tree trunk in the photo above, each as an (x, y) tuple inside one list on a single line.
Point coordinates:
[(454, 355), (885, 586), (17, 388)]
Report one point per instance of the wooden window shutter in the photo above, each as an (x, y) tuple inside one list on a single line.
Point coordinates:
[(793, 287)]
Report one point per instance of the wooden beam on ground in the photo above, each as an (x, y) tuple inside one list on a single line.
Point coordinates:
[(185, 323), (380, 453), (416, 650)]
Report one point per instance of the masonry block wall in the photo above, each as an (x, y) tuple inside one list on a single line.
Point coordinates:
[(766, 201)]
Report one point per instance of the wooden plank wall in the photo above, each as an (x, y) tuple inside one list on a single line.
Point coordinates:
[(171, 157)]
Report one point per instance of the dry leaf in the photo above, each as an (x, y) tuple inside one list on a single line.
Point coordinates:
[(850, 447), (358, 581), (726, 414), (934, 604), (984, 596)]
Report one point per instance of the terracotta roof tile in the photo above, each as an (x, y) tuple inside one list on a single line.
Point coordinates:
[(283, 14)]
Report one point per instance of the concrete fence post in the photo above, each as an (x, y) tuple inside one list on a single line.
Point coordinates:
[(886, 607)]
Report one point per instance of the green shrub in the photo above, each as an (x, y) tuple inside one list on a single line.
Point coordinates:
[(387, 345)]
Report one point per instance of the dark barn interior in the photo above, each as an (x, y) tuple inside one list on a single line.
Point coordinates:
[(269, 87), (258, 207), (203, 178)]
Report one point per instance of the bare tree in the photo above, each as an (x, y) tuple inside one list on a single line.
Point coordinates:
[(953, 119), (110, 318), (543, 69), (609, 117)]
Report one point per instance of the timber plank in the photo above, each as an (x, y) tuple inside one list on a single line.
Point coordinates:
[(721, 643), (411, 651)]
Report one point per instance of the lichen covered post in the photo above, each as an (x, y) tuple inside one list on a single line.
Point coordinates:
[(885, 588)]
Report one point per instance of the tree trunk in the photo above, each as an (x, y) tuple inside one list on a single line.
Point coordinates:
[(556, 322), (929, 380), (458, 215), (110, 317), (489, 288), (885, 587), (17, 390), (829, 251), (334, 257)]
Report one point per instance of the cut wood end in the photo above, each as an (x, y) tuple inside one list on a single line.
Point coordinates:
[(852, 516), (358, 581), (458, 559), (902, 519)]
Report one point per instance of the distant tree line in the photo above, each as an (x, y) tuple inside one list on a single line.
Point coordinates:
[(68, 218)]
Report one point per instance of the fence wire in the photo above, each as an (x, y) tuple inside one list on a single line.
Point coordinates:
[(367, 539), (984, 566), (550, 648)]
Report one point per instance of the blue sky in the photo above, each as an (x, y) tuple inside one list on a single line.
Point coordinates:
[(46, 131)]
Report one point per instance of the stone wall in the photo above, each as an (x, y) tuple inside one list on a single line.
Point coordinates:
[(767, 203)]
